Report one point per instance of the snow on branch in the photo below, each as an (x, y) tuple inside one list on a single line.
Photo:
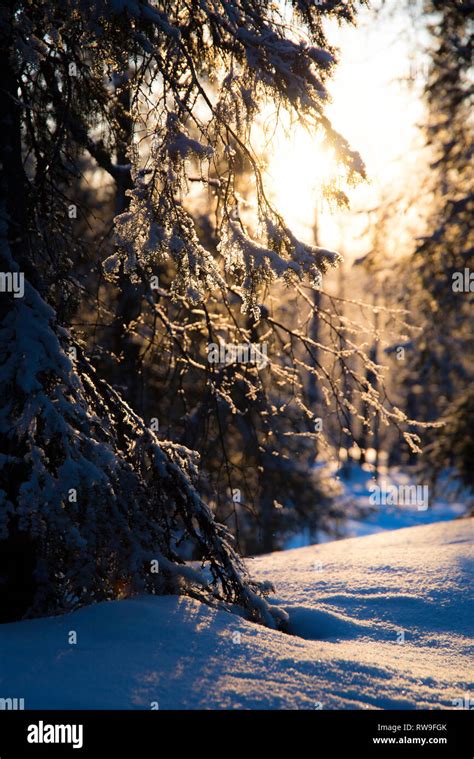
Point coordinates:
[(90, 483)]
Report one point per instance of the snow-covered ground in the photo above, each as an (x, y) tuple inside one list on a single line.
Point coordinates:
[(380, 621)]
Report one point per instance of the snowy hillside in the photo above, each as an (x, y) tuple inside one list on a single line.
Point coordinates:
[(379, 621)]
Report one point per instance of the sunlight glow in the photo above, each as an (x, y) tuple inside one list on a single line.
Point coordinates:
[(378, 114), (297, 171)]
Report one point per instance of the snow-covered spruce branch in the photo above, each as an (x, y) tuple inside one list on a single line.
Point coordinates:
[(263, 59), (100, 497)]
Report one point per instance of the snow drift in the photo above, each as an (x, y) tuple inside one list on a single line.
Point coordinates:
[(376, 622)]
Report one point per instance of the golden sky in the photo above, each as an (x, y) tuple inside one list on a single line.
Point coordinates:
[(378, 114)]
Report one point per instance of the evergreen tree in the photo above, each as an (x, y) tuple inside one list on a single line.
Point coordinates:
[(93, 502), (441, 356)]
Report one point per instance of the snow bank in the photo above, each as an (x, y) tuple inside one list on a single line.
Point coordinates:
[(380, 621)]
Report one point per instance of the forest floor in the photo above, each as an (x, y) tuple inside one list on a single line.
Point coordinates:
[(381, 621), (363, 518)]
